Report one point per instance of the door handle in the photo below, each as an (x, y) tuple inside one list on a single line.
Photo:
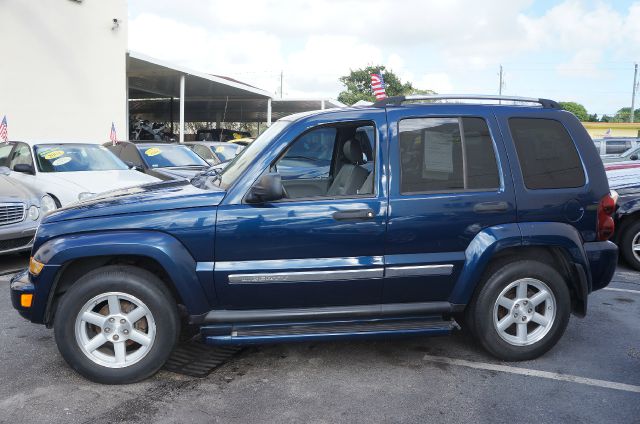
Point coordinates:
[(354, 215), (488, 207)]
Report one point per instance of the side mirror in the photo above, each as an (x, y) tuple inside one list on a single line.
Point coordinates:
[(24, 168), (633, 157), (267, 189)]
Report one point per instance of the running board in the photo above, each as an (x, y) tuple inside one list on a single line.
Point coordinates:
[(241, 334)]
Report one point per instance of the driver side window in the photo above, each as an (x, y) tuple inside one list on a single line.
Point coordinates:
[(329, 161)]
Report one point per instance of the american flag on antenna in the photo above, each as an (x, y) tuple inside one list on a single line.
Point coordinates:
[(3, 130), (112, 135), (377, 86)]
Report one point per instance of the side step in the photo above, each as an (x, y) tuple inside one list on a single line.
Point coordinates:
[(240, 334)]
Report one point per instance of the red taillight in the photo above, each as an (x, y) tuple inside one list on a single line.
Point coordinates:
[(606, 208)]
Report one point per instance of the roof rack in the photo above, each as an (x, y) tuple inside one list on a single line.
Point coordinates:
[(398, 100)]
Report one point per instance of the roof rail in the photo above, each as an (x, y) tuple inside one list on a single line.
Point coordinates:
[(398, 100)]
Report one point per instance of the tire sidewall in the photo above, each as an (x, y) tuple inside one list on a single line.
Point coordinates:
[(628, 234), (483, 309), (139, 283)]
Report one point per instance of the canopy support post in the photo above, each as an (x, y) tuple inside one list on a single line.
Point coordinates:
[(182, 108)]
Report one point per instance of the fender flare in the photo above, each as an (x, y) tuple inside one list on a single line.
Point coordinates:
[(490, 241), (166, 250)]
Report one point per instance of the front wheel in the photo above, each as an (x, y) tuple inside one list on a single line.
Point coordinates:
[(117, 324), (521, 310)]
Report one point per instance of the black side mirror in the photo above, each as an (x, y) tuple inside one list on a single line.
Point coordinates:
[(267, 189), (633, 157), (24, 168)]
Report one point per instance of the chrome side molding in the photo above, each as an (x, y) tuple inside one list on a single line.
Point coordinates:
[(418, 270), (306, 276)]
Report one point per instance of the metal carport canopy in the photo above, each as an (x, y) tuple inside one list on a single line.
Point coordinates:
[(207, 98)]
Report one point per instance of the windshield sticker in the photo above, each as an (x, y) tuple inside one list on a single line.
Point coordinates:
[(52, 155), (220, 149), (61, 161), (152, 151), (237, 136)]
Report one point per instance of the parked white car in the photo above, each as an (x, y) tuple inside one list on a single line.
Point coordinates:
[(68, 172)]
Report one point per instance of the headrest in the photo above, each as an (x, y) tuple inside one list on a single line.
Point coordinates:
[(353, 151)]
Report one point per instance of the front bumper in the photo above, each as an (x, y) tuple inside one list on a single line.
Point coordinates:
[(603, 258), (21, 284), (18, 237)]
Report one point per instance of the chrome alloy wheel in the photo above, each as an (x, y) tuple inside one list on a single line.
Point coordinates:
[(524, 312), (635, 246), (115, 330)]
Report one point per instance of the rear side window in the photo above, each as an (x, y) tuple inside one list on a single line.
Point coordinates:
[(446, 154), (547, 155), (617, 147)]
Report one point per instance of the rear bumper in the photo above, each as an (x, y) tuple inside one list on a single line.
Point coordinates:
[(602, 257), (19, 285)]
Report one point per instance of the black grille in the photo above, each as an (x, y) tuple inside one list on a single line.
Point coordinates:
[(15, 243), (10, 213)]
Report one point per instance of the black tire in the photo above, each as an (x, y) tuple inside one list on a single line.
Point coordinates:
[(480, 313), (629, 232), (132, 281)]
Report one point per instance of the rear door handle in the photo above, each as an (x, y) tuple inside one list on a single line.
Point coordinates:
[(488, 207), (354, 215)]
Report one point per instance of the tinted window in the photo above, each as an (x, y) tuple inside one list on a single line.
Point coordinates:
[(5, 149), (446, 154), (548, 158), (130, 154), (617, 147), (169, 155), (21, 156)]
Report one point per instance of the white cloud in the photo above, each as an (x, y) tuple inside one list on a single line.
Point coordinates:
[(440, 45)]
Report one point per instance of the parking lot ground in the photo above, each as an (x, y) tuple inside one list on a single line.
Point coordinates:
[(444, 379)]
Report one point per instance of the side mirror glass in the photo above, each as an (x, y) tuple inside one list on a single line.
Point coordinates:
[(24, 168), (267, 189), (634, 157)]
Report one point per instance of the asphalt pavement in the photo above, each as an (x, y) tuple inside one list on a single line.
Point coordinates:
[(591, 376)]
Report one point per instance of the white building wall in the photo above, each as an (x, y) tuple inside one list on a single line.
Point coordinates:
[(63, 69)]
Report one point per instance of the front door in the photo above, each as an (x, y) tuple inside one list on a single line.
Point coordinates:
[(323, 244), (449, 182)]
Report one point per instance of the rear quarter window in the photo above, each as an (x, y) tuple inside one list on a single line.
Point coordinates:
[(547, 155)]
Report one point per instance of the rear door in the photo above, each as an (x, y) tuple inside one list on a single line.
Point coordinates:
[(449, 181)]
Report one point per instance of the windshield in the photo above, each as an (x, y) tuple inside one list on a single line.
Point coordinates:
[(169, 155), (246, 156), (76, 157), (226, 153)]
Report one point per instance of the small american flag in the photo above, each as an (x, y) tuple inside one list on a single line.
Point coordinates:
[(112, 135), (377, 86), (3, 129)]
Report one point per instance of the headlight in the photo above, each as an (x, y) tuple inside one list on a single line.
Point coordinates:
[(34, 213), (47, 204), (85, 195)]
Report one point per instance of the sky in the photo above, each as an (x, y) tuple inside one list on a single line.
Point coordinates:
[(573, 50)]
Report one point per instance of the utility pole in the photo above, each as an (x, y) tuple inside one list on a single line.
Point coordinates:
[(281, 78), (501, 82), (633, 92)]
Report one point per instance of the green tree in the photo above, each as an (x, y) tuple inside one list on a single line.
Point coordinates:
[(622, 115), (577, 109), (358, 85)]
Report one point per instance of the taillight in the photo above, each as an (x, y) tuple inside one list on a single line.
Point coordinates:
[(606, 208)]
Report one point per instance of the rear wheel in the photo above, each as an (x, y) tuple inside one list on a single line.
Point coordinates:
[(117, 324), (521, 310), (630, 244)]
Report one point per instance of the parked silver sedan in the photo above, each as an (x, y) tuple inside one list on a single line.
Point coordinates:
[(21, 209)]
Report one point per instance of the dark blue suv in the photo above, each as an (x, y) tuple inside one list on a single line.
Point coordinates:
[(396, 219)]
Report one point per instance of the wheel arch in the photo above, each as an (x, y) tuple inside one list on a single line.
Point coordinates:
[(553, 243), (71, 257)]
